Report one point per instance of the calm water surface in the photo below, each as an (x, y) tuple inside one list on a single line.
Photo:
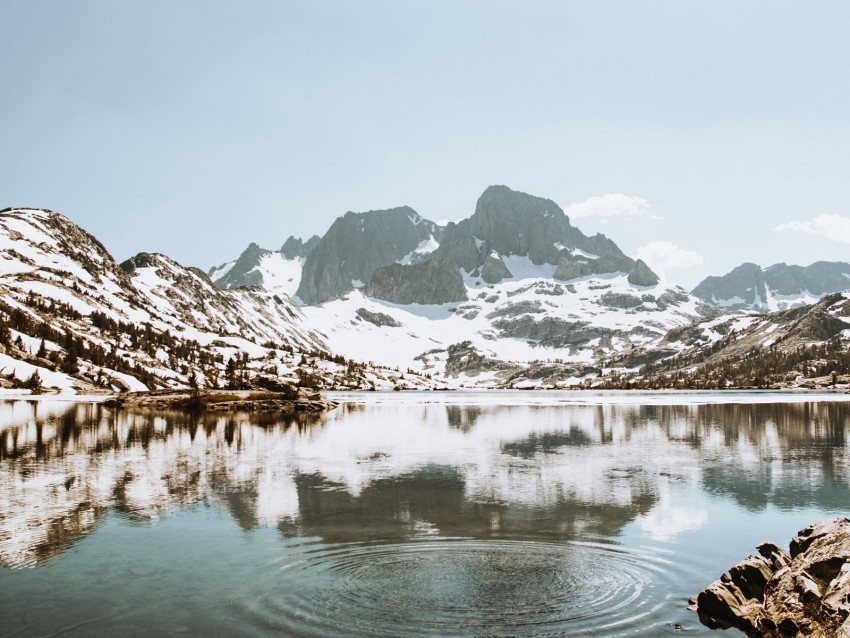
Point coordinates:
[(422, 514)]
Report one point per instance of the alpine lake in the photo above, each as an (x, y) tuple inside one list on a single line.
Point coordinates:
[(405, 514)]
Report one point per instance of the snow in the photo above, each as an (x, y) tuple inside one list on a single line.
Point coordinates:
[(523, 268), (281, 275), (221, 271), (425, 247), (578, 252), (49, 378), (435, 327)]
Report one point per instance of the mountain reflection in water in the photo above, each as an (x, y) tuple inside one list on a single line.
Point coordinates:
[(393, 473)]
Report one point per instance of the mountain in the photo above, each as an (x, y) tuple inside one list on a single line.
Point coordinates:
[(777, 287), (278, 271), (511, 223), (797, 347), (357, 244), (72, 319), (513, 295)]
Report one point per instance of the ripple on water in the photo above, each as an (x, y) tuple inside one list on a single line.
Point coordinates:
[(457, 587)]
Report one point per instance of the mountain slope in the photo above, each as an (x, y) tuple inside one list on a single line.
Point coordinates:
[(777, 287), (74, 320), (277, 271), (797, 347)]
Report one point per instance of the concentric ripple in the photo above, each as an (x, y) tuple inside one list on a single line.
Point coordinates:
[(455, 587)]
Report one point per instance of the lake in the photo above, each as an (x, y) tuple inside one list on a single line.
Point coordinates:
[(405, 514)]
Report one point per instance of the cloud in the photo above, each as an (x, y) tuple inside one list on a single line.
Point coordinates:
[(663, 255), (834, 227), (611, 205)]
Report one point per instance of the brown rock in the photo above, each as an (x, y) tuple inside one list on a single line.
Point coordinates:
[(780, 595)]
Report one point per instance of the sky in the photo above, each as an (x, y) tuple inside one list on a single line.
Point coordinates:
[(697, 135)]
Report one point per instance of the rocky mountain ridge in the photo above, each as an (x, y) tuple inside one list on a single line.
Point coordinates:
[(74, 320), (777, 287)]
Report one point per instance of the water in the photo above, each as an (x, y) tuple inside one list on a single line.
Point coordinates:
[(511, 514)]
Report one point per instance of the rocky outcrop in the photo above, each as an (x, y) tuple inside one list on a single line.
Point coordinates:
[(494, 269), (750, 287), (742, 287), (428, 282), (244, 271), (287, 399), (465, 358), (778, 594), (377, 318), (356, 245), (513, 223), (642, 275), (294, 247)]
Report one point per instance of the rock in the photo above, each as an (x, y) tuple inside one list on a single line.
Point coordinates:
[(244, 272), (805, 592), (494, 269), (620, 300), (356, 245), (570, 268), (377, 318), (294, 247), (642, 275), (429, 282)]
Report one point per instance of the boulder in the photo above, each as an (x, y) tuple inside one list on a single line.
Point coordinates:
[(494, 269), (436, 281), (778, 594), (642, 275)]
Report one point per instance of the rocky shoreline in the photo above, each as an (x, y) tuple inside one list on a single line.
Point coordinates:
[(299, 400), (777, 594)]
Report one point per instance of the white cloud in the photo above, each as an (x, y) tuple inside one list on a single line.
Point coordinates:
[(663, 255), (834, 227), (666, 521), (611, 205)]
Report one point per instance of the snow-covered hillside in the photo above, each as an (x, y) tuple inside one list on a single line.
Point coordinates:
[(72, 319), (526, 330)]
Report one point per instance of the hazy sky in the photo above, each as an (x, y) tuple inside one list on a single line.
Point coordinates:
[(697, 134)]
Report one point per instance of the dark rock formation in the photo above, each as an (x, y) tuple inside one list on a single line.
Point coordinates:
[(620, 300), (465, 358), (244, 273), (377, 318), (570, 268), (293, 247), (286, 399), (429, 282), (494, 269), (741, 287), (642, 275), (778, 594), (513, 223), (748, 286), (356, 245)]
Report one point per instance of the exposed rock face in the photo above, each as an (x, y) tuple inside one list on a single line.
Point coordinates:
[(642, 275), (513, 223), (778, 594), (377, 318), (429, 282), (356, 245), (293, 247), (464, 358), (742, 287), (748, 286), (494, 269), (243, 272)]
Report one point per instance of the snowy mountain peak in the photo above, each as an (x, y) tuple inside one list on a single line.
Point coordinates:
[(775, 288)]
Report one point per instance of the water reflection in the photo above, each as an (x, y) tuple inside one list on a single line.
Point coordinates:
[(395, 473)]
